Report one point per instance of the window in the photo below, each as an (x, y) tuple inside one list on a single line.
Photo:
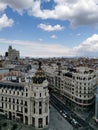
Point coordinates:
[(13, 100), (40, 110), (34, 110), (84, 92), (46, 107), (26, 94), (40, 122), (22, 93), (9, 106), (46, 120), (17, 101), (6, 99), (17, 93), (2, 98), (34, 103), (26, 110), (2, 105), (84, 78), (26, 120), (40, 94), (2, 90), (40, 103), (34, 94), (22, 102), (25, 103), (13, 107), (33, 121), (10, 91)]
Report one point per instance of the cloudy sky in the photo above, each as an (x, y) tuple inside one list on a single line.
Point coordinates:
[(48, 28)]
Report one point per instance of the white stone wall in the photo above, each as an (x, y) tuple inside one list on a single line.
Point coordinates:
[(40, 94), (81, 86), (27, 95)]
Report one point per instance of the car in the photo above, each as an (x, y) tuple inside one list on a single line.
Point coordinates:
[(65, 112), (64, 115), (60, 111), (74, 122)]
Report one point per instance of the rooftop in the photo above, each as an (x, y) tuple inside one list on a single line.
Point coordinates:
[(11, 85)]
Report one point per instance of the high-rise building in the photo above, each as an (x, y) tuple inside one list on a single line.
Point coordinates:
[(13, 54)]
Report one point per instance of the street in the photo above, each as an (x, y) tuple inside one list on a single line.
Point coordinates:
[(70, 116)]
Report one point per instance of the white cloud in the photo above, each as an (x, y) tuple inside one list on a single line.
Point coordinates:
[(2, 7), (36, 49), (5, 22), (77, 12), (47, 27), (89, 47), (53, 36), (19, 5)]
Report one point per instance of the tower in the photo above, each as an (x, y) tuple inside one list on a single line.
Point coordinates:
[(40, 99), (13, 54)]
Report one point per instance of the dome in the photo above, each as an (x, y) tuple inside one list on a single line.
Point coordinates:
[(39, 75)]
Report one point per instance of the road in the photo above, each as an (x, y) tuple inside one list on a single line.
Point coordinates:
[(82, 125)]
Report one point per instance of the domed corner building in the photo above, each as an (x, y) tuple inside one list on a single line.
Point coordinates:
[(26, 102), (40, 100)]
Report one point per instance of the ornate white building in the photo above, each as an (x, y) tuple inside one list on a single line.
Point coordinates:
[(26, 100), (76, 85)]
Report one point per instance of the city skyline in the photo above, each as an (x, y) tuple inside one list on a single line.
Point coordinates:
[(49, 28)]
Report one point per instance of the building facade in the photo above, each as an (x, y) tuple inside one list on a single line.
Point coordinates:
[(26, 100), (13, 54), (75, 85)]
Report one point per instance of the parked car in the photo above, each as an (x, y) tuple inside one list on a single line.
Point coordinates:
[(64, 115)]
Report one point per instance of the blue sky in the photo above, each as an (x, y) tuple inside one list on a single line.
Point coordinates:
[(48, 28)]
